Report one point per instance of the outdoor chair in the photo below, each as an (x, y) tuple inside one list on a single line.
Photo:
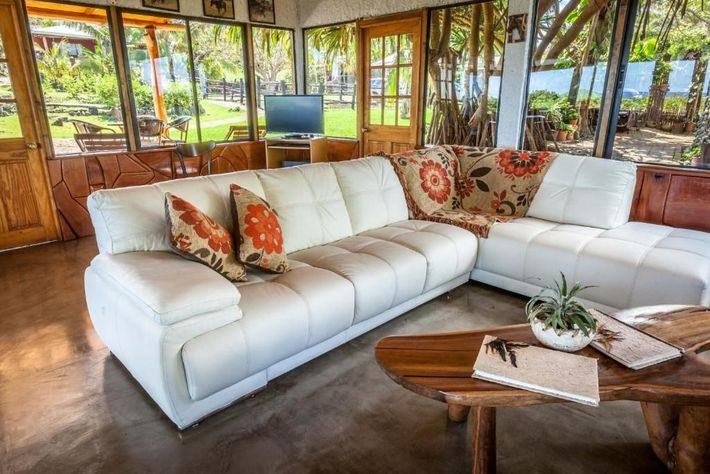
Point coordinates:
[(240, 132), (194, 150), (151, 128), (182, 125), (92, 137)]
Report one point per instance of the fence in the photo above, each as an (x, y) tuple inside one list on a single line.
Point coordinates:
[(334, 93), (224, 90)]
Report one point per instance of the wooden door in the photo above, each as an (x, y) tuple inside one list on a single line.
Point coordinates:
[(26, 210), (391, 72)]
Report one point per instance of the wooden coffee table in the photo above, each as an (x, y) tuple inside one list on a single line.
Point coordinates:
[(674, 396)]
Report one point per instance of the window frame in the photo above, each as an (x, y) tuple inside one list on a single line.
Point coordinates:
[(115, 24), (304, 34), (425, 88), (46, 129)]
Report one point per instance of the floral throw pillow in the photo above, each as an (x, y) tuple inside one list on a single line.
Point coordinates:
[(500, 181), (429, 178), (261, 242), (196, 236)]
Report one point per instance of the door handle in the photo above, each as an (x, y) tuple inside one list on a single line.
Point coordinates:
[(365, 130), (32, 146)]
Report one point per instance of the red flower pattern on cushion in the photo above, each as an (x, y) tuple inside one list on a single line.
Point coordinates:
[(261, 240), (522, 164), (263, 227), (196, 236), (218, 239), (435, 181)]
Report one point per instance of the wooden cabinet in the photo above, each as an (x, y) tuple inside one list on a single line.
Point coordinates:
[(673, 196)]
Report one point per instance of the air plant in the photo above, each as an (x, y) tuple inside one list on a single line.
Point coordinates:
[(558, 309), (503, 347)]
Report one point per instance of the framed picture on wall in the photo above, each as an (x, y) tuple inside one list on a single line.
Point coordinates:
[(262, 11), (218, 8), (170, 5)]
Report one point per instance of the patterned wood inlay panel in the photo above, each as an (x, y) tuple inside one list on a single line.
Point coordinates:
[(74, 178)]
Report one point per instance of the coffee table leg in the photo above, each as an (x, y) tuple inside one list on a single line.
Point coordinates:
[(483, 440), (680, 436), (458, 413)]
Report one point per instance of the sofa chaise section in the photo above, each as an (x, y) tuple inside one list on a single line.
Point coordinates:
[(578, 225)]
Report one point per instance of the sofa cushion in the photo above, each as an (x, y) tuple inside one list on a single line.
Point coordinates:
[(196, 236), (449, 251), (309, 203), (636, 264), (283, 314), (257, 232), (372, 193), (133, 219), (586, 191), (157, 282), (383, 274), (429, 178)]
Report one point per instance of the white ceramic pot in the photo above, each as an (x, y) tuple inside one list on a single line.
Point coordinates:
[(568, 341)]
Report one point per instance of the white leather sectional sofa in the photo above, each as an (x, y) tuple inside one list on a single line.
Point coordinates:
[(197, 342)]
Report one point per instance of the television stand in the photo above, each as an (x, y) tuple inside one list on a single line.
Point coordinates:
[(307, 150)]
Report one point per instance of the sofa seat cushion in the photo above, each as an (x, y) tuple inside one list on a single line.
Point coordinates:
[(383, 274), (636, 264), (449, 251), (157, 282), (283, 314)]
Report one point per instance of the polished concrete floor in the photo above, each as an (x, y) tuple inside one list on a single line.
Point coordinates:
[(66, 405)]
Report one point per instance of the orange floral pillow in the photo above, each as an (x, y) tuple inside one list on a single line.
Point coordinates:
[(196, 236), (429, 178), (261, 242)]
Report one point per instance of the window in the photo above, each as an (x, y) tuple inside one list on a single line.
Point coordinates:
[(78, 79), (568, 75), (218, 51), (161, 79), (330, 71), (664, 108), (273, 64), (466, 45), (9, 120)]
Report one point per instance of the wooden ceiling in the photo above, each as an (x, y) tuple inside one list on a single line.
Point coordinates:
[(90, 14)]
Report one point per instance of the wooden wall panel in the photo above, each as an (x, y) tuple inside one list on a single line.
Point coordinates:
[(678, 197), (343, 149), (74, 178)]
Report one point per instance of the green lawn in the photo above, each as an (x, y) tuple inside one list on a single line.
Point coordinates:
[(216, 119)]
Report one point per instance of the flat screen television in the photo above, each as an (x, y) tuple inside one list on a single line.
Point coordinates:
[(294, 113)]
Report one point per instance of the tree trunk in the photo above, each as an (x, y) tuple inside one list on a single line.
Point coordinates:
[(658, 91), (592, 9), (480, 118), (696, 89), (554, 29)]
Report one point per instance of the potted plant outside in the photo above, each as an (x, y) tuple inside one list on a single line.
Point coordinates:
[(559, 320), (564, 130)]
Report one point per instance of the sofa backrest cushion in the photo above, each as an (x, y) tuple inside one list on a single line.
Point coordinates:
[(309, 203), (587, 191), (133, 219), (372, 192)]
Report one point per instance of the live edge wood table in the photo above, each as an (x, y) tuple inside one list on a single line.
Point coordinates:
[(674, 396)]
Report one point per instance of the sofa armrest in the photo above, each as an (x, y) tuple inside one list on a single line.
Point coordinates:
[(169, 287)]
